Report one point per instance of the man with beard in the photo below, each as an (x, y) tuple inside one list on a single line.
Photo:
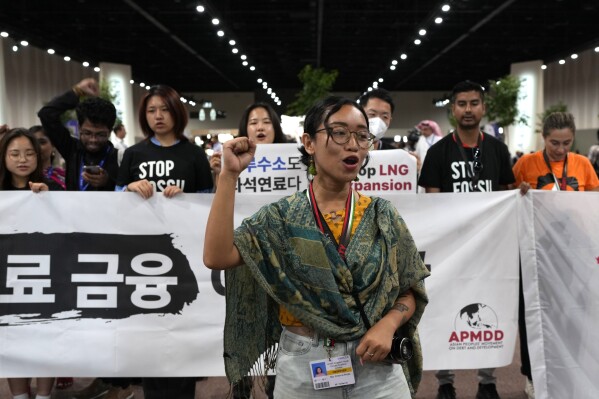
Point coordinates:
[(467, 160), (92, 160)]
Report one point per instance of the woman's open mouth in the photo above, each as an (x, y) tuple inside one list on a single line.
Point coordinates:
[(351, 161)]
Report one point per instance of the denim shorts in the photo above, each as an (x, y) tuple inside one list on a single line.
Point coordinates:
[(294, 376)]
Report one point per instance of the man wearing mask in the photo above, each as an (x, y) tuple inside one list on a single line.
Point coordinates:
[(379, 107), (92, 160)]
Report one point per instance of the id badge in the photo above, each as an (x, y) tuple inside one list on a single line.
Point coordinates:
[(332, 372)]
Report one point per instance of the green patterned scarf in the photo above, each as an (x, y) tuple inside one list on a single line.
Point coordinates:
[(291, 263)]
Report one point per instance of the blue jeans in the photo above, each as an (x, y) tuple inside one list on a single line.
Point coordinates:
[(294, 376)]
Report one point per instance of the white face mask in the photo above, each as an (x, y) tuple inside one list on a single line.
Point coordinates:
[(377, 127)]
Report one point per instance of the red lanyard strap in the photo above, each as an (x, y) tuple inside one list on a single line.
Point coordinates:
[(324, 227)]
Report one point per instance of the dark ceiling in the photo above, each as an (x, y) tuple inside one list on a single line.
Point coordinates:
[(168, 41)]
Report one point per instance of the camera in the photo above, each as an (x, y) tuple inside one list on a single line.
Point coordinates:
[(402, 349), (413, 135)]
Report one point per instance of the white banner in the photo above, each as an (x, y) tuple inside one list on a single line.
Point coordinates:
[(119, 280), (560, 272), (470, 242), (276, 168)]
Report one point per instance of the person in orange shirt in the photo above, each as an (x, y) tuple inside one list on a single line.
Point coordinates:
[(555, 167)]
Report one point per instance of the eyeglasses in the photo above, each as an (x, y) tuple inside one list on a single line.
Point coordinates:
[(341, 135), (16, 155), (96, 135), (477, 164)]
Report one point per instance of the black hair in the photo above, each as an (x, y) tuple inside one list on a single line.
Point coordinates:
[(466, 86), (320, 114), (118, 127), (172, 100), (98, 111), (6, 176), (379, 93), (274, 118)]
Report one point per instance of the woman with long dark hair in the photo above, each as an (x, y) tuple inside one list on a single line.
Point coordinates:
[(21, 169), (260, 123)]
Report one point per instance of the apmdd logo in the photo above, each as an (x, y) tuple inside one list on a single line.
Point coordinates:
[(476, 326)]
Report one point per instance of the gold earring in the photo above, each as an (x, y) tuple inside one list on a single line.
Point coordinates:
[(312, 167)]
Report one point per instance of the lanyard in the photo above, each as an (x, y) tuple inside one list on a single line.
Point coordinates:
[(347, 222), (82, 186), (561, 184), (49, 172), (474, 176)]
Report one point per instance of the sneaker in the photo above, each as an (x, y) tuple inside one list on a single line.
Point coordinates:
[(446, 391), (529, 389), (96, 390), (487, 391), (120, 393)]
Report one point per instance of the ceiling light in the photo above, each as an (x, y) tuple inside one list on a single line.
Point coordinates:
[(392, 67), (445, 7), (574, 56), (200, 8), (597, 49), (4, 34), (148, 87), (183, 100), (403, 56), (543, 66), (67, 58), (422, 32), (417, 42), (15, 48), (369, 89), (235, 51), (24, 43), (375, 85), (269, 90), (220, 33), (438, 20), (244, 57), (51, 51), (85, 64), (232, 42), (252, 68), (215, 21), (381, 80), (142, 84), (562, 62), (394, 62), (131, 81), (97, 69), (244, 63), (259, 80)]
